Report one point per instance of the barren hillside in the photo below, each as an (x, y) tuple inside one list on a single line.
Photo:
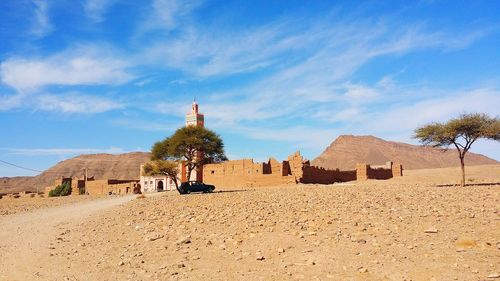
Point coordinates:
[(101, 166), (347, 150)]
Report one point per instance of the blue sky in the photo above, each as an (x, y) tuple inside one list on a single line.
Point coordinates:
[(271, 77)]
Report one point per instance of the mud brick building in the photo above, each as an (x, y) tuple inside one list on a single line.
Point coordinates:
[(294, 170), (96, 187)]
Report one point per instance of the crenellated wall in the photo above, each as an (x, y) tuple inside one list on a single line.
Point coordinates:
[(246, 173)]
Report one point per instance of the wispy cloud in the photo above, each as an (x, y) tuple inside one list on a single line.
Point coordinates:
[(439, 106), (95, 9), (8, 102), (75, 103), (41, 25), (166, 15), (83, 65)]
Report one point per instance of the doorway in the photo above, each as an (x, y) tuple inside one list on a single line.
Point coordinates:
[(159, 186)]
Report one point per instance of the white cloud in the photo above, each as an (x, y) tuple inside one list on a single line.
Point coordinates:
[(77, 66), (41, 25), (8, 102), (407, 117), (300, 136), (166, 15), (360, 92), (75, 103), (95, 9)]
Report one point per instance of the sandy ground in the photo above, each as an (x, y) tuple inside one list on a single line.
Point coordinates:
[(401, 229)]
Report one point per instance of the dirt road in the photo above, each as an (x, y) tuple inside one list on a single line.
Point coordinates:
[(26, 239)]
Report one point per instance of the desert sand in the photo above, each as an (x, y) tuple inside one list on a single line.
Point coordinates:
[(419, 227)]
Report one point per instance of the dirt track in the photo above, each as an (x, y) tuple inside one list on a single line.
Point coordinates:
[(25, 238)]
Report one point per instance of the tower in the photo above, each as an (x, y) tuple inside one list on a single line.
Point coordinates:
[(194, 118)]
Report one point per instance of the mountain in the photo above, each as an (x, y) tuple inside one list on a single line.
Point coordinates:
[(101, 166), (347, 150)]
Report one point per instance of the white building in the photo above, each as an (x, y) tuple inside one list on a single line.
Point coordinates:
[(156, 183), (165, 183)]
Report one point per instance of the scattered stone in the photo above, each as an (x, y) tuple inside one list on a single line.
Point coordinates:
[(494, 275), (185, 240), (431, 230), (153, 236), (281, 250)]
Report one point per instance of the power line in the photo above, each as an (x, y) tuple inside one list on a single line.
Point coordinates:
[(21, 167), (47, 172)]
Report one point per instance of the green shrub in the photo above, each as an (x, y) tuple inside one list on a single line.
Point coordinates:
[(61, 190)]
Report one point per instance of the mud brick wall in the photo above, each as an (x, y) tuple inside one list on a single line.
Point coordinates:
[(397, 170), (379, 173), (97, 187), (103, 187), (362, 171), (246, 173), (343, 176), (318, 175), (365, 172)]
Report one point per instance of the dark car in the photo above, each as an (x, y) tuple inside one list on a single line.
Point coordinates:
[(195, 186)]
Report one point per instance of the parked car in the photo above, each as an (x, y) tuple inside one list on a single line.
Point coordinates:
[(195, 186)]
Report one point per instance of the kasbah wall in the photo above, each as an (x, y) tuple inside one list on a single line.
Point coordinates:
[(96, 187), (246, 173)]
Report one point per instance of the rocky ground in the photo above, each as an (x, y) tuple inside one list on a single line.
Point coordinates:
[(378, 230)]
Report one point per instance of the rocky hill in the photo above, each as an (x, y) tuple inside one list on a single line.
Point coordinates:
[(347, 150), (101, 166)]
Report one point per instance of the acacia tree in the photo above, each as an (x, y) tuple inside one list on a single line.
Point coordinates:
[(194, 145), (162, 167), (460, 132)]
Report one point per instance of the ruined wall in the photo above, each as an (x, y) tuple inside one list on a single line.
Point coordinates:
[(383, 172), (319, 175), (362, 171), (60, 181), (397, 170), (246, 173), (379, 173), (103, 187), (343, 176), (313, 174)]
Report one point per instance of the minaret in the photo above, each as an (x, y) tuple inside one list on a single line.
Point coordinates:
[(194, 118)]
